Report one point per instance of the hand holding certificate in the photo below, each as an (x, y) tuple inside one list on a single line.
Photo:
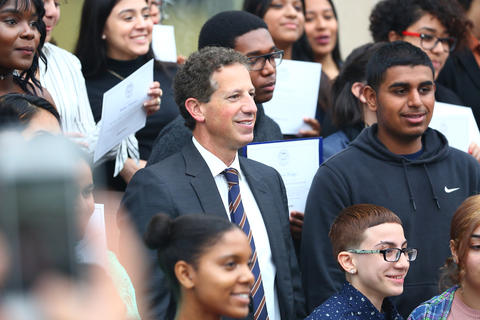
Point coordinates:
[(122, 111)]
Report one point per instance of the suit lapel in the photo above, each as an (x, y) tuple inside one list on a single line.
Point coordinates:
[(202, 182)]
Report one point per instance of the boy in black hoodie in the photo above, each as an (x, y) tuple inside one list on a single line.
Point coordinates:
[(400, 164)]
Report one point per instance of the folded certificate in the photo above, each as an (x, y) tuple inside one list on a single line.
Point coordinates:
[(122, 109), (297, 162), (163, 43), (457, 123), (295, 96)]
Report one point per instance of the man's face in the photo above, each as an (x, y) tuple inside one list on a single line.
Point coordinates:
[(254, 43), (229, 117), (403, 103)]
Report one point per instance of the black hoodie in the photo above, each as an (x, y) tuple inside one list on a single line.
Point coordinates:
[(424, 193)]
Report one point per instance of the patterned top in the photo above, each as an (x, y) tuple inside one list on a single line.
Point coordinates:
[(351, 304), (436, 308)]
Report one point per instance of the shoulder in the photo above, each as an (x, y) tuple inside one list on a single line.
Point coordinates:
[(437, 306)]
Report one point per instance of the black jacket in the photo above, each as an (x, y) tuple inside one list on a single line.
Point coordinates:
[(424, 193)]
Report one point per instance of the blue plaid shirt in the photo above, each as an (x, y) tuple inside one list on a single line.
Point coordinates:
[(436, 308)]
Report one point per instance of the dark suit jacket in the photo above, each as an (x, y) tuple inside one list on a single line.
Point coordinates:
[(183, 184), (461, 73)]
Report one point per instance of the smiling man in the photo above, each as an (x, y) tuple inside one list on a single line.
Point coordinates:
[(215, 96), (247, 34), (400, 164)]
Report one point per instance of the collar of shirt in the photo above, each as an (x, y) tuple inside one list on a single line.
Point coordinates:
[(216, 165), (361, 306)]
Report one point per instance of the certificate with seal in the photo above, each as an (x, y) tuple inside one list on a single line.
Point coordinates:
[(122, 109), (297, 162)]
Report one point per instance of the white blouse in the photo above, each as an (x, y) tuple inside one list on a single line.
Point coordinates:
[(64, 81)]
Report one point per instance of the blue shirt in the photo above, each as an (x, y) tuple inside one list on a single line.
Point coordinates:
[(351, 304)]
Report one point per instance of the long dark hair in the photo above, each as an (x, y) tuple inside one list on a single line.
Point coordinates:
[(91, 49), (26, 78)]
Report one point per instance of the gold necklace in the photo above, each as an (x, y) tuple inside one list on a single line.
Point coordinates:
[(115, 74)]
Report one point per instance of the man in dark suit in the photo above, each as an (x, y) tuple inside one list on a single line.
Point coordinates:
[(215, 95)]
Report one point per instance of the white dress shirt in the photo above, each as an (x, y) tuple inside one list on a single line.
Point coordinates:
[(255, 219)]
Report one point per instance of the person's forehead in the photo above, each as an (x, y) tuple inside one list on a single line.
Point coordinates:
[(258, 41), (234, 76), (407, 74), (389, 233)]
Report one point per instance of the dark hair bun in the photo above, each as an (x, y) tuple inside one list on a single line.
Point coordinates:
[(158, 232)]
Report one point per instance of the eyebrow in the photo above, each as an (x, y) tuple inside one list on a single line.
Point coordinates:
[(389, 243), (429, 29), (406, 84), (258, 52)]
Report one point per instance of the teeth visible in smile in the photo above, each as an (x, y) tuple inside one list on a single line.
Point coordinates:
[(396, 277), (245, 122), (242, 295)]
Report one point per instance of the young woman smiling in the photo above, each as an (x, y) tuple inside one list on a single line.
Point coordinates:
[(461, 273), (114, 41), (206, 260)]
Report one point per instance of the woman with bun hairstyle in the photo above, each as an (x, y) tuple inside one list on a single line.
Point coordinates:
[(461, 273), (206, 261)]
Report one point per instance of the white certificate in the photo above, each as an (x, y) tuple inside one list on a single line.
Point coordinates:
[(122, 109), (163, 43), (297, 162), (457, 123), (295, 96)]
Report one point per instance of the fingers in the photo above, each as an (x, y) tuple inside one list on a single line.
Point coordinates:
[(314, 124), (155, 93), (474, 150)]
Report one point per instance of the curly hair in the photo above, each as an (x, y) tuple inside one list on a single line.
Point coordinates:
[(398, 15), (194, 79)]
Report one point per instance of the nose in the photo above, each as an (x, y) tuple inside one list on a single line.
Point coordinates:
[(49, 9), (28, 31), (247, 276), (414, 99), (319, 23), (142, 22), (438, 48), (268, 68), (249, 106), (403, 262), (290, 11)]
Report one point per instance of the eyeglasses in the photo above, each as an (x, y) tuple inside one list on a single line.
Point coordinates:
[(257, 63), (428, 42), (391, 254)]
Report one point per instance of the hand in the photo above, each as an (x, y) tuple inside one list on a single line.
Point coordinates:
[(155, 93), (181, 59), (314, 132), (130, 168), (474, 150), (296, 224)]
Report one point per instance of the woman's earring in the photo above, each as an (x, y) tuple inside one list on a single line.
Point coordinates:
[(104, 37), (353, 271)]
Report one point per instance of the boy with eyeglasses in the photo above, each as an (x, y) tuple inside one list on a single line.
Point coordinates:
[(435, 26), (398, 163), (371, 250)]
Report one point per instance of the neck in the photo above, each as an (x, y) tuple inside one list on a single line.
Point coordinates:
[(400, 147), (287, 49), (328, 65), (193, 311), (6, 74), (470, 296), (225, 154)]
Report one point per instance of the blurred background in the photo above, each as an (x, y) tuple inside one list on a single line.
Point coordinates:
[(189, 15)]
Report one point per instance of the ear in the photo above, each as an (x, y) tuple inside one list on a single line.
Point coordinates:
[(357, 91), (453, 251), (185, 274), (194, 108), (393, 36), (370, 97), (345, 259)]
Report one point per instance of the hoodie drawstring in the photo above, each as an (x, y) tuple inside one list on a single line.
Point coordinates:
[(435, 198), (410, 193)]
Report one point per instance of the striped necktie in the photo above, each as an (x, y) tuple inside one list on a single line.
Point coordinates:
[(239, 217)]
